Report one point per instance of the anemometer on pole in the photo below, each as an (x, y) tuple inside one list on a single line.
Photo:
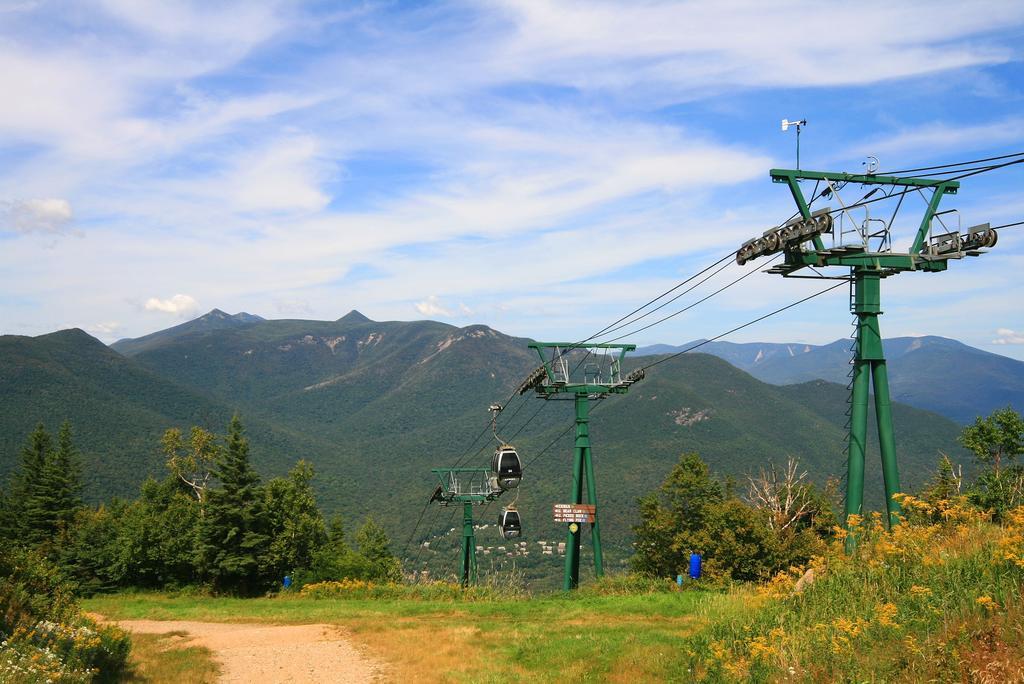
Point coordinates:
[(865, 248), (554, 380)]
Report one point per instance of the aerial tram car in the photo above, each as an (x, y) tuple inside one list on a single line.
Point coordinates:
[(506, 474), (509, 523)]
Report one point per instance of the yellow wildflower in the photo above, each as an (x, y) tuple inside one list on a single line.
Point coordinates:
[(986, 602), (884, 614)]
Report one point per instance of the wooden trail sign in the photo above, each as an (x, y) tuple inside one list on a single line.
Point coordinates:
[(575, 513)]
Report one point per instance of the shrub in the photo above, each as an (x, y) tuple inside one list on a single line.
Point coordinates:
[(911, 604), (45, 638)]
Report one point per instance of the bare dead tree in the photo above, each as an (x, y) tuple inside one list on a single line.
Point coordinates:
[(785, 494)]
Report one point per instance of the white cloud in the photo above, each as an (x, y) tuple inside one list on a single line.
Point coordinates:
[(284, 176), (293, 306), (431, 306), (688, 48), (50, 215), (180, 305), (940, 136), (1007, 336), (105, 329), (194, 156)]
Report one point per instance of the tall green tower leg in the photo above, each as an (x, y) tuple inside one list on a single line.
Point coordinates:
[(468, 546), (858, 443), (572, 545), (595, 527), (886, 440)]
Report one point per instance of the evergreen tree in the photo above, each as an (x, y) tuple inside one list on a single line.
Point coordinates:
[(6, 521), (375, 546), (62, 481), (30, 520), (296, 527), (233, 536), (336, 533)]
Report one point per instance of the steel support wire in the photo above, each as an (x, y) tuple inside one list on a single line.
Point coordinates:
[(745, 325)]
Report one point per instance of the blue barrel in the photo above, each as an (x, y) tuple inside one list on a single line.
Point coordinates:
[(287, 581), (695, 561)]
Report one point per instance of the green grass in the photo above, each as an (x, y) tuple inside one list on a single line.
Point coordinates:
[(158, 659), (939, 598), (583, 637)]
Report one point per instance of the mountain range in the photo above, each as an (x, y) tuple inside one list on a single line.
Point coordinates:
[(933, 373), (375, 405)]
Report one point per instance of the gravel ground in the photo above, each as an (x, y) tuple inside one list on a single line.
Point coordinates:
[(272, 653)]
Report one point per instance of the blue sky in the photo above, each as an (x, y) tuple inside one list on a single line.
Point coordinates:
[(541, 167)]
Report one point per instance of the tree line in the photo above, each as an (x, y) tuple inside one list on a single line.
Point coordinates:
[(782, 520), (211, 521)]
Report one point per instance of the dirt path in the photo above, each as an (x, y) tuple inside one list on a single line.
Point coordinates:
[(272, 653)]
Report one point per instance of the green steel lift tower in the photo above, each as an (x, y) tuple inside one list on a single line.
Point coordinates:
[(553, 381), (469, 487), (865, 248)]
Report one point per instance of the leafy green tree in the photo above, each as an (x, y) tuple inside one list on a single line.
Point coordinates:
[(193, 463), (158, 536), (672, 515), (739, 542), (691, 512), (233, 529), (91, 549), (336, 560), (996, 441), (296, 527), (336, 533)]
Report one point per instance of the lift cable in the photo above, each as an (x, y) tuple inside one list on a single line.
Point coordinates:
[(669, 301), (430, 526), (690, 306), (946, 166), (405, 550), (688, 349), (865, 201), (504, 404), (615, 325), (745, 325)]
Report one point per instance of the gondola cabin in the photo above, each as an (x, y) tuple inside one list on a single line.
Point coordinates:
[(510, 524), (506, 468)]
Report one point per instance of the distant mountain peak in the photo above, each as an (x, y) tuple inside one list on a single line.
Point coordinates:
[(241, 316), (354, 316)]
